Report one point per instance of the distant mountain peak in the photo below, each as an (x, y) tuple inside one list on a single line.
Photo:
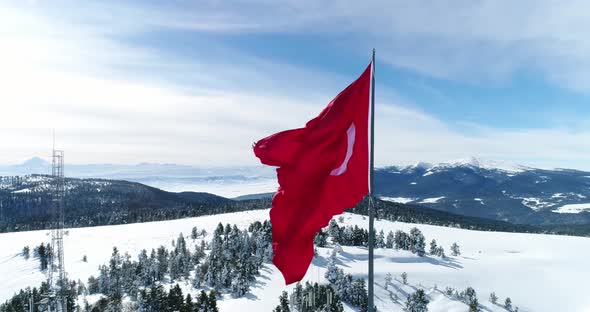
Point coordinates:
[(482, 163), (422, 165), (35, 161), (469, 162)]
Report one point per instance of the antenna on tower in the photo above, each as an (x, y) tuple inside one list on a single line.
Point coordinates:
[(56, 276)]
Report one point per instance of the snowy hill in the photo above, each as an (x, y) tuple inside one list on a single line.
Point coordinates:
[(231, 181), (539, 272), (25, 203)]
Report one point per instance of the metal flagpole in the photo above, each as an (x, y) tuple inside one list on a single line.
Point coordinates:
[(370, 206)]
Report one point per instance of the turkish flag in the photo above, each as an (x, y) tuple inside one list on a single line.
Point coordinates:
[(323, 169)]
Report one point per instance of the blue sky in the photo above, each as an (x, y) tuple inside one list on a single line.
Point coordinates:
[(196, 82)]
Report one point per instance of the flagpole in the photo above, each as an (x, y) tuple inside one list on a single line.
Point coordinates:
[(370, 206)]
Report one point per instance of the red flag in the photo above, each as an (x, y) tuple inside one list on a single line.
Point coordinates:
[(323, 169)]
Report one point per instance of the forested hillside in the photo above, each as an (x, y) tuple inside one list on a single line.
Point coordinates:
[(25, 203)]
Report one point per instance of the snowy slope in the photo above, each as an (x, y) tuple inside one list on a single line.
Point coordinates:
[(538, 272)]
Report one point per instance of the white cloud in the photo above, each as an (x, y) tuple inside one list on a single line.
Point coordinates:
[(471, 41), (116, 102)]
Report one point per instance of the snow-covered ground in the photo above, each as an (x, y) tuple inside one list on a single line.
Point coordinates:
[(538, 272), (402, 200), (229, 188), (573, 208), (432, 200)]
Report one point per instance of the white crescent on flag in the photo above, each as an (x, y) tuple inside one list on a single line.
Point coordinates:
[(350, 135)]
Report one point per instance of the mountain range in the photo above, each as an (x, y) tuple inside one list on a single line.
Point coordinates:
[(491, 189), (472, 187)]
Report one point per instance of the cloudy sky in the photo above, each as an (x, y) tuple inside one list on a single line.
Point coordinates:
[(197, 82)]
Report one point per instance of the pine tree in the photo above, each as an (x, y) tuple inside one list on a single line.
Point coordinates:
[(470, 298), (212, 302), (175, 299), (405, 278), (197, 281), (188, 304), (162, 260), (508, 304), (440, 251), (388, 279), (389, 240), (283, 303), (433, 247), (26, 253), (194, 233), (358, 296), (380, 241), (298, 296), (417, 302), (401, 240), (334, 232), (493, 298), (115, 275), (417, 242), (455, 250), (42, 253), (240, 285), (320, 239), (202, 303), (332, 271)]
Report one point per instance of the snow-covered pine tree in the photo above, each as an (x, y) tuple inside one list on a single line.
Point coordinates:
[(194, 233), (347, 238), (202, 302), (334, 231), (93, 287), (508, 304), (240, 285), (212, 302), (470, 298), (332, 273), (455, 250), (404, 278), (388, 279), (320, 239), (389, 240), (358, 296), (440, 251), (401, 240), (175, 299), (189, 306), (380, 241), (162, 260), (198, 279), (433, 247), (26, 252), (493, 298), (283, 303), (417, 302), (417, 242)]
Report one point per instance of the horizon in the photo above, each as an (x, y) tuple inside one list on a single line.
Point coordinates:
[(197, 83), (470, 159)]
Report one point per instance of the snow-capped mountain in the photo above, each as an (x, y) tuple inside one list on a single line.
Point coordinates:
[(491, 189), (472, 186), (471, 162)]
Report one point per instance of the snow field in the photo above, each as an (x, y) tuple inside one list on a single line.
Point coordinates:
[(538, 272)]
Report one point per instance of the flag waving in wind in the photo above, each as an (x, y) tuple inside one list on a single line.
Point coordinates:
[(323, 169)]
